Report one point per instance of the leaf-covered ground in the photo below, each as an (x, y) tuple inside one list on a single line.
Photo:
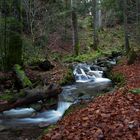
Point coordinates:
[(114, 116)]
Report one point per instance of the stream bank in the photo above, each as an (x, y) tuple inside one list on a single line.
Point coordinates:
[(88, 80)]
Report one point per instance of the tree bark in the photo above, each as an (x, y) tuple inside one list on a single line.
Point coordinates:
[(75, 29), (12, 26), (94, 14), (127, 46)]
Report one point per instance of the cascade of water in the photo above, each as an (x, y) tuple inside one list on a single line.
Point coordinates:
[(87, 80), (86, 74)]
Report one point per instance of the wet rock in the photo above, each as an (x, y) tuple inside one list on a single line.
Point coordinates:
[(95, 68)]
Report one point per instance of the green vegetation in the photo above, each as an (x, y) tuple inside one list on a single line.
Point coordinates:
[(75, 107), (7, 97), (135, 91), (49, 128), (131, 56), (11, 96), (83, 57), (32, 54), (22, 76), (117, 78)]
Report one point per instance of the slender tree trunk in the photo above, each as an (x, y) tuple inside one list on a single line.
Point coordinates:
[(75, 29), (127, 46), (65, 19), (138, 19), (95, 33)]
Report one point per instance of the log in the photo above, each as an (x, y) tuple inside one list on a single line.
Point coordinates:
[(33, 96), (20, 74)]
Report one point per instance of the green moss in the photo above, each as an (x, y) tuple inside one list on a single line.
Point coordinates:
[(135, 91), (75, 107), (83, 57), (22, 76), (21, 94), (49, 128), (77, 48), (7, 96), (68, 78)]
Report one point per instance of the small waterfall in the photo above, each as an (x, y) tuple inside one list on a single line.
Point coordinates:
[(83, 73), (88, 83)]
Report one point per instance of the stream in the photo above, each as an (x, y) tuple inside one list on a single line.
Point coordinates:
[(89, 83)]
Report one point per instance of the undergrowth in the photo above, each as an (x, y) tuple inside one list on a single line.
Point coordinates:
[(118, 79)]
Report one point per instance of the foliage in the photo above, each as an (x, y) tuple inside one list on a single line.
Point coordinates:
[(32, 54), (11, 26), (115, 5)]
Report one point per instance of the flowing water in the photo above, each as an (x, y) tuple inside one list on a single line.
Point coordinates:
[(88, 84)]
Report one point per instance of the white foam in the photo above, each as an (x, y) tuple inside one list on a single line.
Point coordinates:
[(51, 116), (19, 112)]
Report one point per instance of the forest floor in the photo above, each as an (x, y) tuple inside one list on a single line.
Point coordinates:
[(111, 116)]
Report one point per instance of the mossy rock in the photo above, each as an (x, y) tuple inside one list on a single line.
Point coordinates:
[(68, 78)]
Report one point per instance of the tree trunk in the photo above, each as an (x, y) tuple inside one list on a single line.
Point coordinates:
[(11, 37), (94, 14), (75, 29), (138, 19), (127, 46)]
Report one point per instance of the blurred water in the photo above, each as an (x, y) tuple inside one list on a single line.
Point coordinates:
[(88, 84)]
